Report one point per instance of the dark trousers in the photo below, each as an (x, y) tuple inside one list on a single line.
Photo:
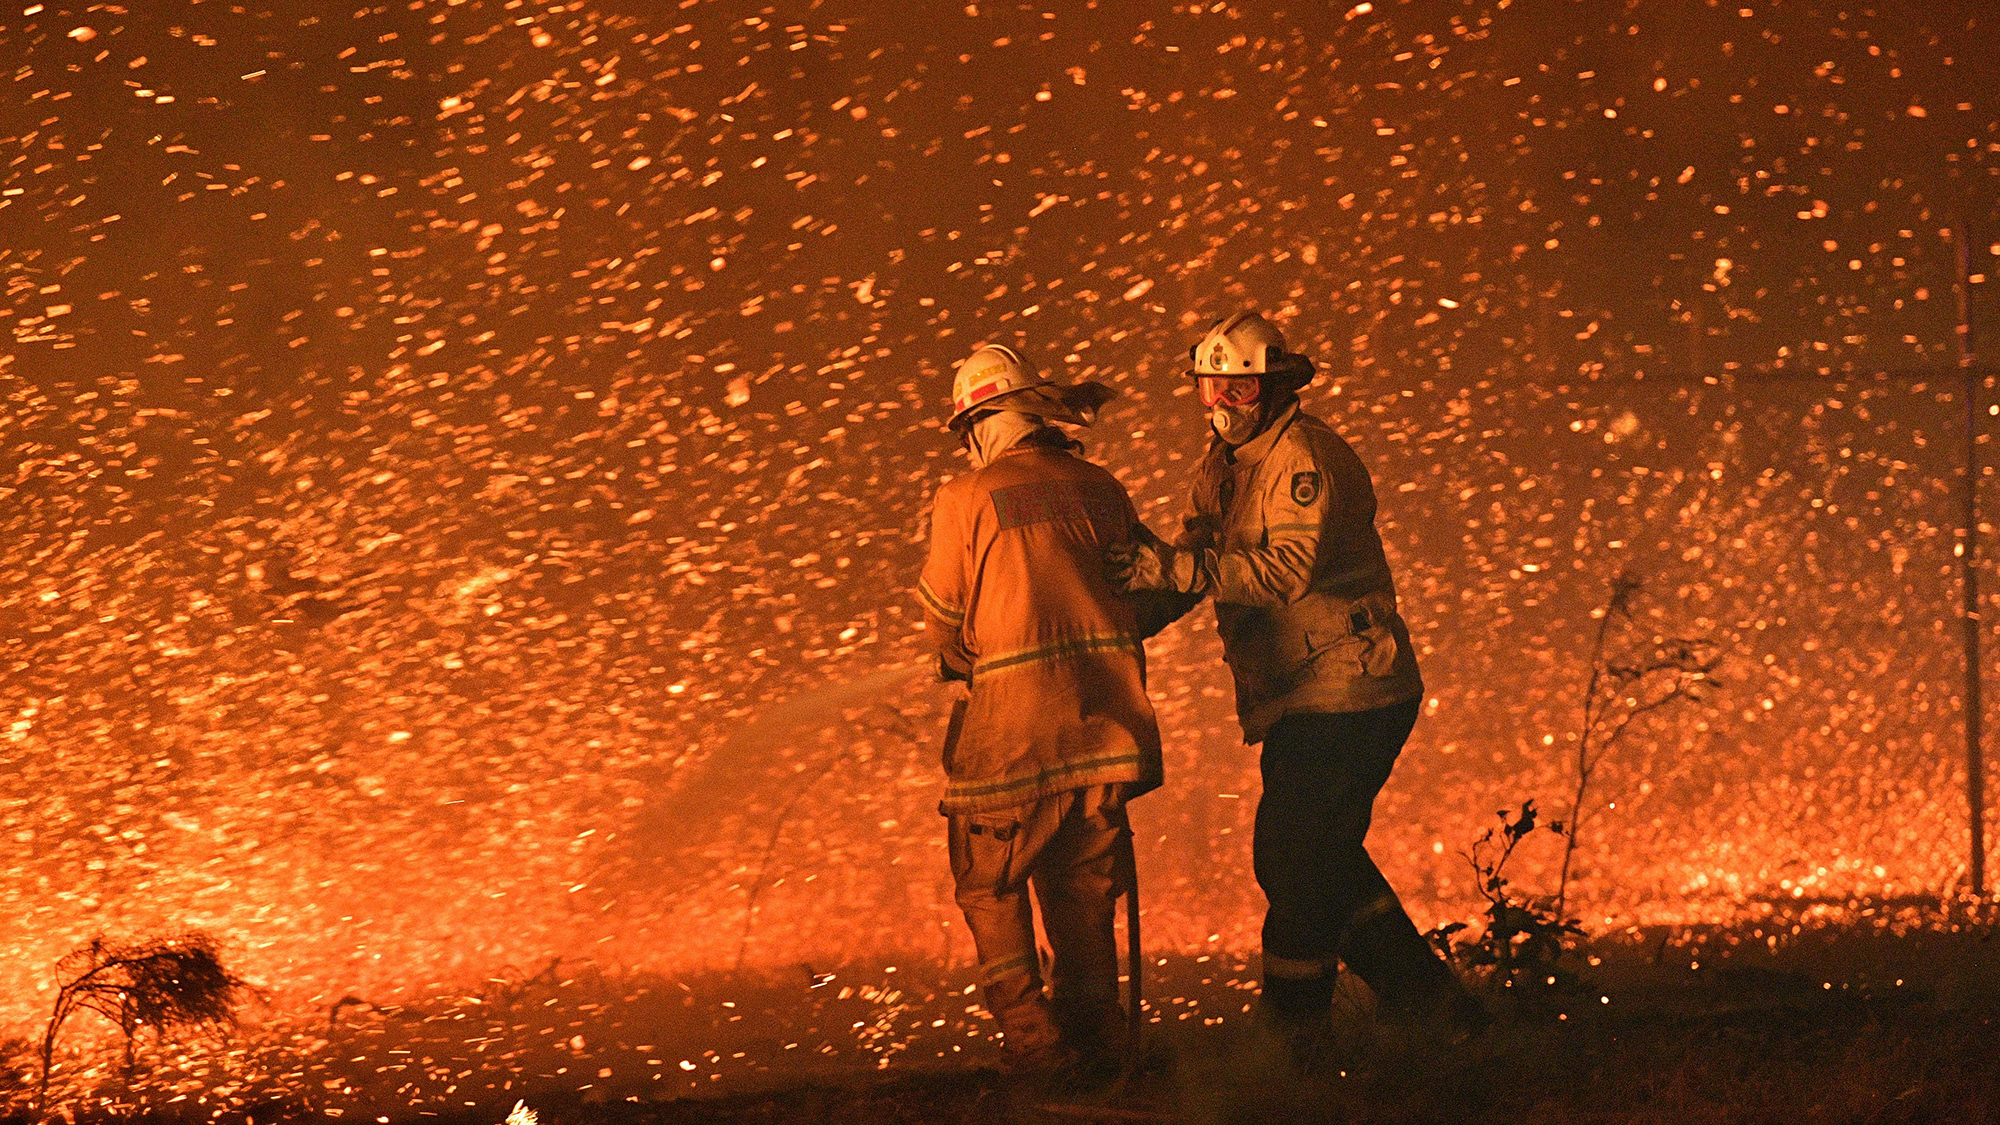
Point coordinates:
[(1327, 898)]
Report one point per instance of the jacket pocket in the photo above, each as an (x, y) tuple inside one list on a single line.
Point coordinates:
[(1378, 653), (1374, 618), (1342, 653)]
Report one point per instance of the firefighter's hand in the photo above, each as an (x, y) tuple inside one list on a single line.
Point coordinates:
[(1143, 564), (947, 673), (1150, 563)]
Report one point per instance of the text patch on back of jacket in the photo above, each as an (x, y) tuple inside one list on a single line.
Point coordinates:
[(1020, 505)]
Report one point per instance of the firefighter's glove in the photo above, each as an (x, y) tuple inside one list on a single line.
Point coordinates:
[(947, 674), (1147, 563)]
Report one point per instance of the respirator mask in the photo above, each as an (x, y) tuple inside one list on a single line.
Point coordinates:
[(1233, 403)]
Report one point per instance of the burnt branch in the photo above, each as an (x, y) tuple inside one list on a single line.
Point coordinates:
[(173, 985), (1623, 685)]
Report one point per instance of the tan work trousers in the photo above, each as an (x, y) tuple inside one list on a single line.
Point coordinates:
[(1071, 848)]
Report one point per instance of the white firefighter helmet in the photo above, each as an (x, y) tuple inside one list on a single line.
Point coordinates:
[(995, 376), (992, 370), (1247, 344)]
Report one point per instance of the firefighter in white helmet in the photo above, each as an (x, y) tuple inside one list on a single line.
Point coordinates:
[(1283, 538), (1057, 733)]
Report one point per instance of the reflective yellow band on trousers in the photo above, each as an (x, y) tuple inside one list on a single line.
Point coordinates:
[(1006, 966), (1287, 968)]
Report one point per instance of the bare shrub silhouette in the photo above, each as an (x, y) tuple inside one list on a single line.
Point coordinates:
[(173, 985), (1629, 676)]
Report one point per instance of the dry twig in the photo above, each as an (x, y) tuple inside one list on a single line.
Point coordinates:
[(1622, 688)]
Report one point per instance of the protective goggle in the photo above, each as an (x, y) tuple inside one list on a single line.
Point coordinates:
[(1229, 390)]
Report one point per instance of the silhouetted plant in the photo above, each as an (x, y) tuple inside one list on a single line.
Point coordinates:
[(1623, 686), (1524, 938), (171, 985)]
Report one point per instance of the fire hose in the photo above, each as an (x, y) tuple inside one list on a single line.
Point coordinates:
[(1134, 958)]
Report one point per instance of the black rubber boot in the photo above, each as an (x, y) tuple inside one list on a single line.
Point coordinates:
[(1099, 1034), (1295, 1023), (1411, 983)]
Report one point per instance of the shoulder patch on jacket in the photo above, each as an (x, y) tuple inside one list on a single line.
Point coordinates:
[(1305, 488)]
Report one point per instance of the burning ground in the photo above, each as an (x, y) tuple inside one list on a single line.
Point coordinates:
[(1870, 1019)]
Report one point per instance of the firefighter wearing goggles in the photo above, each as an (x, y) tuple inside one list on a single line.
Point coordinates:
[(1282, 537)]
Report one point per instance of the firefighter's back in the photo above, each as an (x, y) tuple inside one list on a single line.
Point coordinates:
[(1058, 695)]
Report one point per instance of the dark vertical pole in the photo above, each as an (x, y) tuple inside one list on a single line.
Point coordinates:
[(1697, 339), (1975, 763)]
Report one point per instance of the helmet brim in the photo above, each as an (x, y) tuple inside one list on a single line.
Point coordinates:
[(1075, 405)]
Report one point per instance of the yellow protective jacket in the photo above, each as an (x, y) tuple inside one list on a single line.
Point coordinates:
[(1014, 596), (1304, 600)]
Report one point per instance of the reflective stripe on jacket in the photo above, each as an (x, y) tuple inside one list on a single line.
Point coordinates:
[(1304, 600), (1014, 595)]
